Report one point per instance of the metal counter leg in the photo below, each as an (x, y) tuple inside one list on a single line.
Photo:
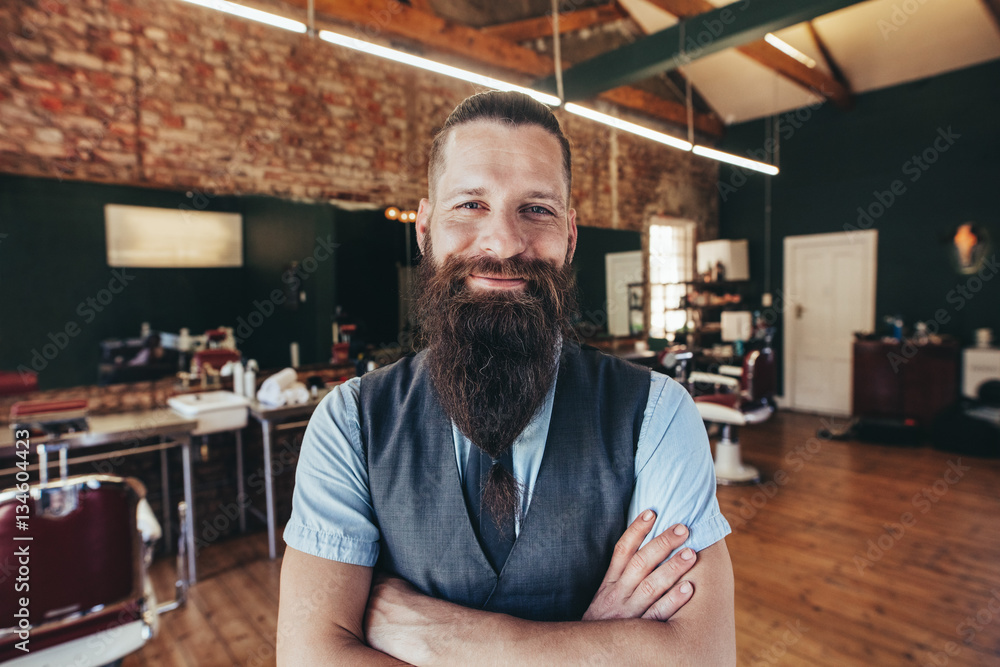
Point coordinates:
[(241, 497), (165, 491), (43, 464), (189, 499), (268, 431)]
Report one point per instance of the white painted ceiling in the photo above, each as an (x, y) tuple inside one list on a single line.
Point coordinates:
[(876, 44)]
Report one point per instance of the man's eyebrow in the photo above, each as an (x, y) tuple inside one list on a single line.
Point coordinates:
[(466, 192), (545, 195)]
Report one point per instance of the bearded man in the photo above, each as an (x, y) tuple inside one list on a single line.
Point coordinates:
[(504, 495)]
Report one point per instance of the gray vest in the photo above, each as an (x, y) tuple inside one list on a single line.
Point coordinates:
[(578, 507)]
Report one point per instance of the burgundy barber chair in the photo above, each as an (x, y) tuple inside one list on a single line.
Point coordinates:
[(15, 383), (741, 396), (78, 588)]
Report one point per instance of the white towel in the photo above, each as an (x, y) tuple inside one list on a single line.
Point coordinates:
[(296, 394), (272, 390)]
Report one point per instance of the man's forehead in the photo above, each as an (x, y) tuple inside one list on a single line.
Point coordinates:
[(497, 142)]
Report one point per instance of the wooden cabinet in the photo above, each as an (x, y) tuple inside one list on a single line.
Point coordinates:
[(903, 381)]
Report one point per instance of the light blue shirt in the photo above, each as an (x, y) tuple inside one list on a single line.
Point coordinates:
[(332, 514)]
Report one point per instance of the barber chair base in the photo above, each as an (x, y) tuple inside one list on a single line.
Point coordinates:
[(90, 651), (729, 466)]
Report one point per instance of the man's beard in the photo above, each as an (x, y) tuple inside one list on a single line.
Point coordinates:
[(492, 353)]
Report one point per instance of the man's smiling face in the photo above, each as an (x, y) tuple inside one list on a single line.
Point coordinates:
[(501, 194)]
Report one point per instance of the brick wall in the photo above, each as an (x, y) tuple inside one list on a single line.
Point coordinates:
[(166, 94)]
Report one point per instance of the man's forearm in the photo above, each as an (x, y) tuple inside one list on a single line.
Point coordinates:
[(423, 630), (468, 636)]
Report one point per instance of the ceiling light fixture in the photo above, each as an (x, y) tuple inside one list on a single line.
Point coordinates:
[(788, 49), (497, 84), (252, 14), (729, 158), (432, 66), (620, 124)]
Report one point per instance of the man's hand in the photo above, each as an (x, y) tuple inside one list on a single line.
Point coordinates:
[(636, 584), (397, 619)]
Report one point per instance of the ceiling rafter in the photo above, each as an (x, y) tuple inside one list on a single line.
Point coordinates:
[(835, 71), (541, 26), (422, 5), (392, 19), (993, 7), (725, 28), (810, 78)]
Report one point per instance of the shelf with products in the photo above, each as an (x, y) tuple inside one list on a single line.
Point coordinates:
[(692, 310)]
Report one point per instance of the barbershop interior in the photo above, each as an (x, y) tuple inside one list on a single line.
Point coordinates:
[(207, 222)]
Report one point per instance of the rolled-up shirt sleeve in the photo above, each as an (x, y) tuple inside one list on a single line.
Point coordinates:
[(674, 473), (332, 514)]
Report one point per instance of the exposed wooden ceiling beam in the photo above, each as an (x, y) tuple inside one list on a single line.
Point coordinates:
[(808, 77), (993, 7), (395, 19), (422, 5), (725, 28), (453, 38), (835, 71), (640, 100), (520, 31)]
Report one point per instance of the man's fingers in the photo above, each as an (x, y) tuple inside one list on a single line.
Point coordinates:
[(628, 544), (661, 580), (650, 556), (668, 604)]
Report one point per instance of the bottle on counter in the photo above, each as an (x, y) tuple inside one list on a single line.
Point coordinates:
[(239, 382), (250, 379)]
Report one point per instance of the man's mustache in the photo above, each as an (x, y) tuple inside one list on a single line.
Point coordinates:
[(534, 271)]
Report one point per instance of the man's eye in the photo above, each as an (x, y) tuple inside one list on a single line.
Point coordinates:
[(539, 210), (470, 204)]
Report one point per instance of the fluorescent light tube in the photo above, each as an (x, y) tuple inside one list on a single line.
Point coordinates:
[(729, 158), (432, 66), (252, 14), (788, 49), (626, 126)]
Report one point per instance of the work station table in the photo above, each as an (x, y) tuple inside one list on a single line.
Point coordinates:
[(273, 419), (172, 429)]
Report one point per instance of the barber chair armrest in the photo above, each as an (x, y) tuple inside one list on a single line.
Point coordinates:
[(149, 527), (720, 414), (712, 378), (758, 415)]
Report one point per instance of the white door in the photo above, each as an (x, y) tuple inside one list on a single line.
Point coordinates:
[(829, 294), (620, 269)]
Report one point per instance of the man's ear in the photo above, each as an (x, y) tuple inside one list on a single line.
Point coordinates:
[(571, 250), (423, 222)]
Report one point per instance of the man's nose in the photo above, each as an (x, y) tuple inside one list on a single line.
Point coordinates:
[(504, 236)]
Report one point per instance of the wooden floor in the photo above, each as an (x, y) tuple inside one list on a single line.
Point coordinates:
[(862, 555)]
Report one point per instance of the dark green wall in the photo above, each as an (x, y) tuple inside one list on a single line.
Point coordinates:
[(591, 247), (833, 162), (53, 259)]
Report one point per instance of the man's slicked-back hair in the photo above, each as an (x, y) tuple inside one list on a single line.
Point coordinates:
[(506, 107)]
